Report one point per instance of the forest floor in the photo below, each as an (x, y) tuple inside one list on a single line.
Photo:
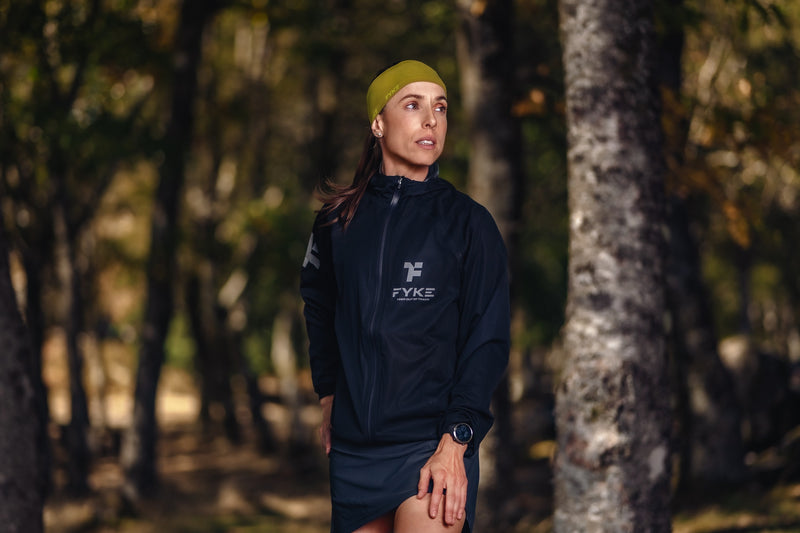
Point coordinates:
[(210, 485)]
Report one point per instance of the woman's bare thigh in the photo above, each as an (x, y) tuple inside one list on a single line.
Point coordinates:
[(383, 524), (412, 517)]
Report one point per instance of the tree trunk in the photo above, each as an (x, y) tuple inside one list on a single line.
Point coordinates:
[(214, 360), (612, 468), (35, 324), (714, 451), (486, 64), (207, 317), (284, 360), (138, 456), (21, 490), (323, 149), (202, 353), (265, 436), (71, 317), (709, 414)]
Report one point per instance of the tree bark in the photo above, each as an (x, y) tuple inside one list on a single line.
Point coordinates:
[(485, 52), (35, 323), (21, 490), (138, 455), (612, 467)]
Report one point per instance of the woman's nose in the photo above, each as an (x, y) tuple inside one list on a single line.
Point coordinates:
[(430, 119)]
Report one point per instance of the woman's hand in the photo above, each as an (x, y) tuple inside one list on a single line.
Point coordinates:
[(446, 469), (326, 403)]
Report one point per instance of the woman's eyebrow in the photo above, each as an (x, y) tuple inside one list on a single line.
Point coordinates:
[(420, 97)]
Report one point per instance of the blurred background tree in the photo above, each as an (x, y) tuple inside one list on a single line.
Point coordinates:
[(86, 93)]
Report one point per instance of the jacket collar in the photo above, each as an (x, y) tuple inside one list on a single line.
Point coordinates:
[(383, 184)]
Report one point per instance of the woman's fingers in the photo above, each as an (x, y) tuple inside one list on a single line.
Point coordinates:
[(424, 481), (326, 403), (455, 500), (445, 469), (325, 437), (437, 495)]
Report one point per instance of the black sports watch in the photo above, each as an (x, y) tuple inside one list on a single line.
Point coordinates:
[(461, 432)]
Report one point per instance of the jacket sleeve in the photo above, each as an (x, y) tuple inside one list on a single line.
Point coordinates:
[(484, 330), (318, 289)]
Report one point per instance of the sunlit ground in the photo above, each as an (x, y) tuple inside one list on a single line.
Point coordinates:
[(209, 485), (774, 510)]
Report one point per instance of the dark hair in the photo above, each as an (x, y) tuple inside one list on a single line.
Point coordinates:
[(344, 199)]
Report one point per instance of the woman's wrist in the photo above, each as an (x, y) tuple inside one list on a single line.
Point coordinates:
[(446, 443)]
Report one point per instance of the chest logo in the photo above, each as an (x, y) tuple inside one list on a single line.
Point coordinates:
[(413, 293), (414, 270)]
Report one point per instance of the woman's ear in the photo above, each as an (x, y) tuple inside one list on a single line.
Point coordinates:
[(377, 126)]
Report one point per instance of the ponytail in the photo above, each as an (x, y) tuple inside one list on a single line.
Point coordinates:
[(344, 199)]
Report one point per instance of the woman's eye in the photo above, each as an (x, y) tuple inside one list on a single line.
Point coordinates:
[(412, 105), (442, 109)]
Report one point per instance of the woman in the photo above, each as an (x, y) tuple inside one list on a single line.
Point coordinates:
[(406, 292)]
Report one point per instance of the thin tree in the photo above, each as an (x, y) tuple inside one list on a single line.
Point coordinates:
[(486, 66), (21, 490), (612, 404), (138, 454), (712, 451), (710, 436), (62, 174), (485, 51)]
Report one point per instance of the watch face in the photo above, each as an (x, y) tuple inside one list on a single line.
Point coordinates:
[(462, 433)]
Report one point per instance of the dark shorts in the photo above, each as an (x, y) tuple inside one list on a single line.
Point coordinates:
[(368, 481)]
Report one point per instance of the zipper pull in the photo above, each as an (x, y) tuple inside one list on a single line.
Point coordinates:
[(396, 195)]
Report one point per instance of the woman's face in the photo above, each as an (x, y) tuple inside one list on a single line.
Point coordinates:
[(411, 129)]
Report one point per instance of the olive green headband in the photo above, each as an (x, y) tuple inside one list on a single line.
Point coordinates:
[(395, 78)]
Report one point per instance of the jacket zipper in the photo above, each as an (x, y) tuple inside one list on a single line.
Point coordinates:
[(373, 381)]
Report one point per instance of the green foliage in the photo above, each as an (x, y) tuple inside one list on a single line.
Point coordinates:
[(541, 285), (256, 349), (741, 107), (281, 106), (179, 348)]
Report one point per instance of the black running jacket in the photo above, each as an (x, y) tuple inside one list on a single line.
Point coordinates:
[(407, 312)]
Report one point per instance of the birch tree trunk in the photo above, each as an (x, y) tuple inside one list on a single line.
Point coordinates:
[(612, 405), (21, 490)]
